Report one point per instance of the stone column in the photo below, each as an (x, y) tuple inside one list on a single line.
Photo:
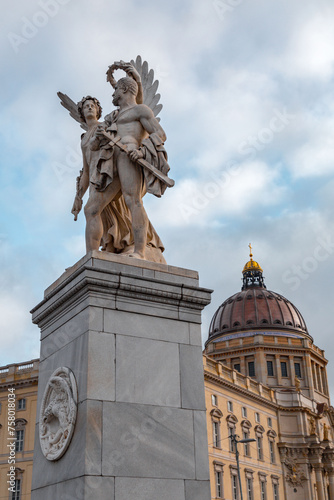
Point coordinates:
[(129, 331), (315, 456), (308, 374), (319, 482), (331, 483), (292, 370), (278, 369)]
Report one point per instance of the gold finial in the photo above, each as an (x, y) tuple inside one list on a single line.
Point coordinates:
[(250, 251)]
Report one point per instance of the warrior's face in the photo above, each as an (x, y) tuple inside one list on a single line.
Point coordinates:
[(117, 95), (89, 110)]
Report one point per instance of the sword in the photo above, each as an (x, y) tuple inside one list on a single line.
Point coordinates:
[(116, 141)]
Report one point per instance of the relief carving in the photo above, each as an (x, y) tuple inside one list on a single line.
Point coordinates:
[(58, 413)]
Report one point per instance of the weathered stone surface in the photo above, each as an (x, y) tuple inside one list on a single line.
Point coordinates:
[(150, 327), (147, 441), (192, 377), (147, 371), (81, 488), (127, 488), (197, 490), (118, 328), (201, 446)]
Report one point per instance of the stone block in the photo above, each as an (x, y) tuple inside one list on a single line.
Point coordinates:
[(75, 321), (141, 306), (201, 446), (198, 490), (101, 367), (147, 371), (192, 377), (81, 488), (150, 327), (147, 441), (195, 334), (127, 488)]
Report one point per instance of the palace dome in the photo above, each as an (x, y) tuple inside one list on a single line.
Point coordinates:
[(256, 308)]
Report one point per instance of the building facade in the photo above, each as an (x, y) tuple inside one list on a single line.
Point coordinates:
[(18, 405), (260, 361)]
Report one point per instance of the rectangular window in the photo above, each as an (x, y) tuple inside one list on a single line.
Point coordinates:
[(215, 427), (263, 490), (219, 489), (244, 411), (251, 369), (298, 371), (237, 367), (284, 369), (275, 489), (19, 440), (230, 406), (259, 448), (21, 404), (257, 417), (214, 400), (270, 422), (272, 451), (246, 445), (249, 488), (16, 495), (270, 368), (235, 487)]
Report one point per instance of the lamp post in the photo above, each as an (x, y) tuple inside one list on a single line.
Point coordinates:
[(235, 442)]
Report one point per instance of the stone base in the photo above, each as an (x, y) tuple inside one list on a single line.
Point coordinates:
[(130, 332)]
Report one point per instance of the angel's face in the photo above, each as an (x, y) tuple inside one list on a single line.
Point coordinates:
[(89, 109)]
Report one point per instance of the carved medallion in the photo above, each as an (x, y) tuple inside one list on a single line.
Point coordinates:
[(58, 413)]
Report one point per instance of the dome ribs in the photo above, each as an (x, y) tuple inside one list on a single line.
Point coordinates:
[(263, 310)]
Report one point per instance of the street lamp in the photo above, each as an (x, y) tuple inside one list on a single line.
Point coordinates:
[(235, 442)]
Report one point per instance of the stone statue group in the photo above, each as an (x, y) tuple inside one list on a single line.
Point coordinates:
[(123, 158)]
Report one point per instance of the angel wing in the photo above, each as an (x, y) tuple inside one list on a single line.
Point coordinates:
[(70, 105), (150, 86)]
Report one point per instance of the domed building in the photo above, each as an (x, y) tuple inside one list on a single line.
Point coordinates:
[(266, 380)]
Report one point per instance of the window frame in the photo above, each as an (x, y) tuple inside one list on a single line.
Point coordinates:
[(271, 364), (251, 372), (285, 364), (21, 404)]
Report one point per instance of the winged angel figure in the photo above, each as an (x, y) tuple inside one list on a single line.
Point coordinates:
[(123, 158)]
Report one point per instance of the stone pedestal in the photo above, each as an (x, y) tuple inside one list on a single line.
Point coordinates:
[(130, 332)]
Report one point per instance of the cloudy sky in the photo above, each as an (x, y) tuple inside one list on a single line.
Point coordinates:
[(247, 89)]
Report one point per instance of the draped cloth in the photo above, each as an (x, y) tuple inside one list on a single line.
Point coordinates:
[(116, 217)]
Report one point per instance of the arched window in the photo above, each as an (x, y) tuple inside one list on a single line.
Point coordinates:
[(246, 426), (259, 431), (20, 424), (218, 468), (16, 492), (216, 415), (231, 425), (271, 439)]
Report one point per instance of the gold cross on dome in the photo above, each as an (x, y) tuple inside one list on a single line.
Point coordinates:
[(250, 251)]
